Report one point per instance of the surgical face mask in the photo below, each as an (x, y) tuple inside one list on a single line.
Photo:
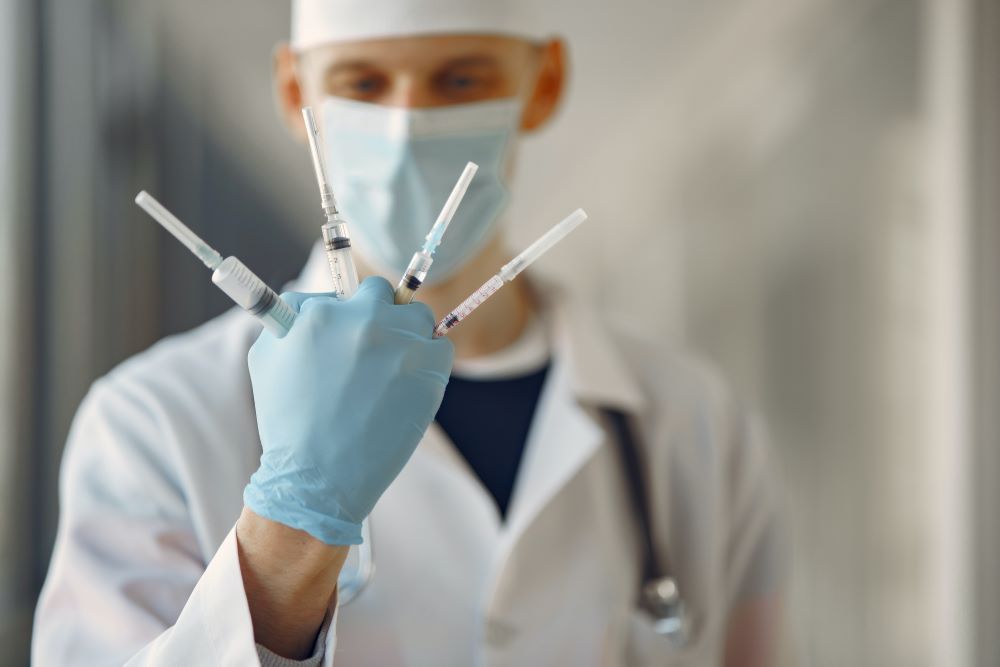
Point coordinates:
[(393, 168)]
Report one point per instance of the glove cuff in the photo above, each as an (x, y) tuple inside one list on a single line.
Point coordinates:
[(326, 529)]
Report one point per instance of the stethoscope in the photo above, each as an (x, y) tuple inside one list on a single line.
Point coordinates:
[(659, 596)]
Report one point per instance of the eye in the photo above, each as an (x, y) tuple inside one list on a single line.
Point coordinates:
[(366, 85), (462, 82), (358, 84), (467, 83)]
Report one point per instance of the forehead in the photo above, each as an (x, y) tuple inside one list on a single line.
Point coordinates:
[(422, 52)]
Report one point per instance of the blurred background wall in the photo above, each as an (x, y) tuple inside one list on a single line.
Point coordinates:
[(802, 191)]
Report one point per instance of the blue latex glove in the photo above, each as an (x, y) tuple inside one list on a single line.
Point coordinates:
[(342, 401)]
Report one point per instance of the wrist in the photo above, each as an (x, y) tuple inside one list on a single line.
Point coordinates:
[(301, 506), (290, 580), (289, 555)]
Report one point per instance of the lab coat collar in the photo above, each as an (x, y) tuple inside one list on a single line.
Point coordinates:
[(587, 374), (562, 439), (599, 376)]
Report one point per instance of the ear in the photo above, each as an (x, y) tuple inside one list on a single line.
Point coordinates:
[(288, 91), (549, 86)]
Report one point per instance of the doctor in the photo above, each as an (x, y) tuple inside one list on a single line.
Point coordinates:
[(207, 510)]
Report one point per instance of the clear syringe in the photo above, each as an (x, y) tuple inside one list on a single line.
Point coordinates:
[(231, 275), (509, 271), (336, 238), (416, 272)]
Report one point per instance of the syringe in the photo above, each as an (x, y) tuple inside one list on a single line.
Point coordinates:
[(231, 275), (336, 238), (509, 271), (416, 272)]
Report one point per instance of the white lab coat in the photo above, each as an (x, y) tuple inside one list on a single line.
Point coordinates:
[(145, 568)]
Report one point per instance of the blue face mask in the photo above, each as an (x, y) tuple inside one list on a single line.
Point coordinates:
[(393, 168)]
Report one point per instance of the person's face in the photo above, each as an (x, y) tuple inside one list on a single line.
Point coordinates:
[(422, 72)]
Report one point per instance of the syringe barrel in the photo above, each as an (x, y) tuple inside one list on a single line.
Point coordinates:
[(251, 294), (337, 241), (419, 266), (343, 271), (335, 234), (464, 309), (416, 274), (405, 291)]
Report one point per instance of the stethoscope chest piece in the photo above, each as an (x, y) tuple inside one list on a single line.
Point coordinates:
[(661, 600)]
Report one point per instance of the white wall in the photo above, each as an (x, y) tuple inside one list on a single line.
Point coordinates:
[(792, 168)]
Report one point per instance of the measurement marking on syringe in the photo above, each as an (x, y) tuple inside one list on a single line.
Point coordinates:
[(509, 271)]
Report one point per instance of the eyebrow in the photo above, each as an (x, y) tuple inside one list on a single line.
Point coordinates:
[(461, 61), (348, 66)]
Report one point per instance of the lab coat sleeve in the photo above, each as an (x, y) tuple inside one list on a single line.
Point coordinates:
[(270, 659), (128, 583), (757, 555), (756, 550)]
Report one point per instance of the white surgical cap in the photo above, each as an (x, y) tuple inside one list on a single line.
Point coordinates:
[(316, 22)]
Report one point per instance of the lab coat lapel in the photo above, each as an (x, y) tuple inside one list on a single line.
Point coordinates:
[(563, 438), (587, 374), (567, 432), (438, 449), (438, 445)]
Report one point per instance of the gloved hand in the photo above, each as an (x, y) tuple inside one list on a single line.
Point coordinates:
[(342, 401)]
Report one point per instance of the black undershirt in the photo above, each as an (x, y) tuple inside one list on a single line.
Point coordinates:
[(488, 422)]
